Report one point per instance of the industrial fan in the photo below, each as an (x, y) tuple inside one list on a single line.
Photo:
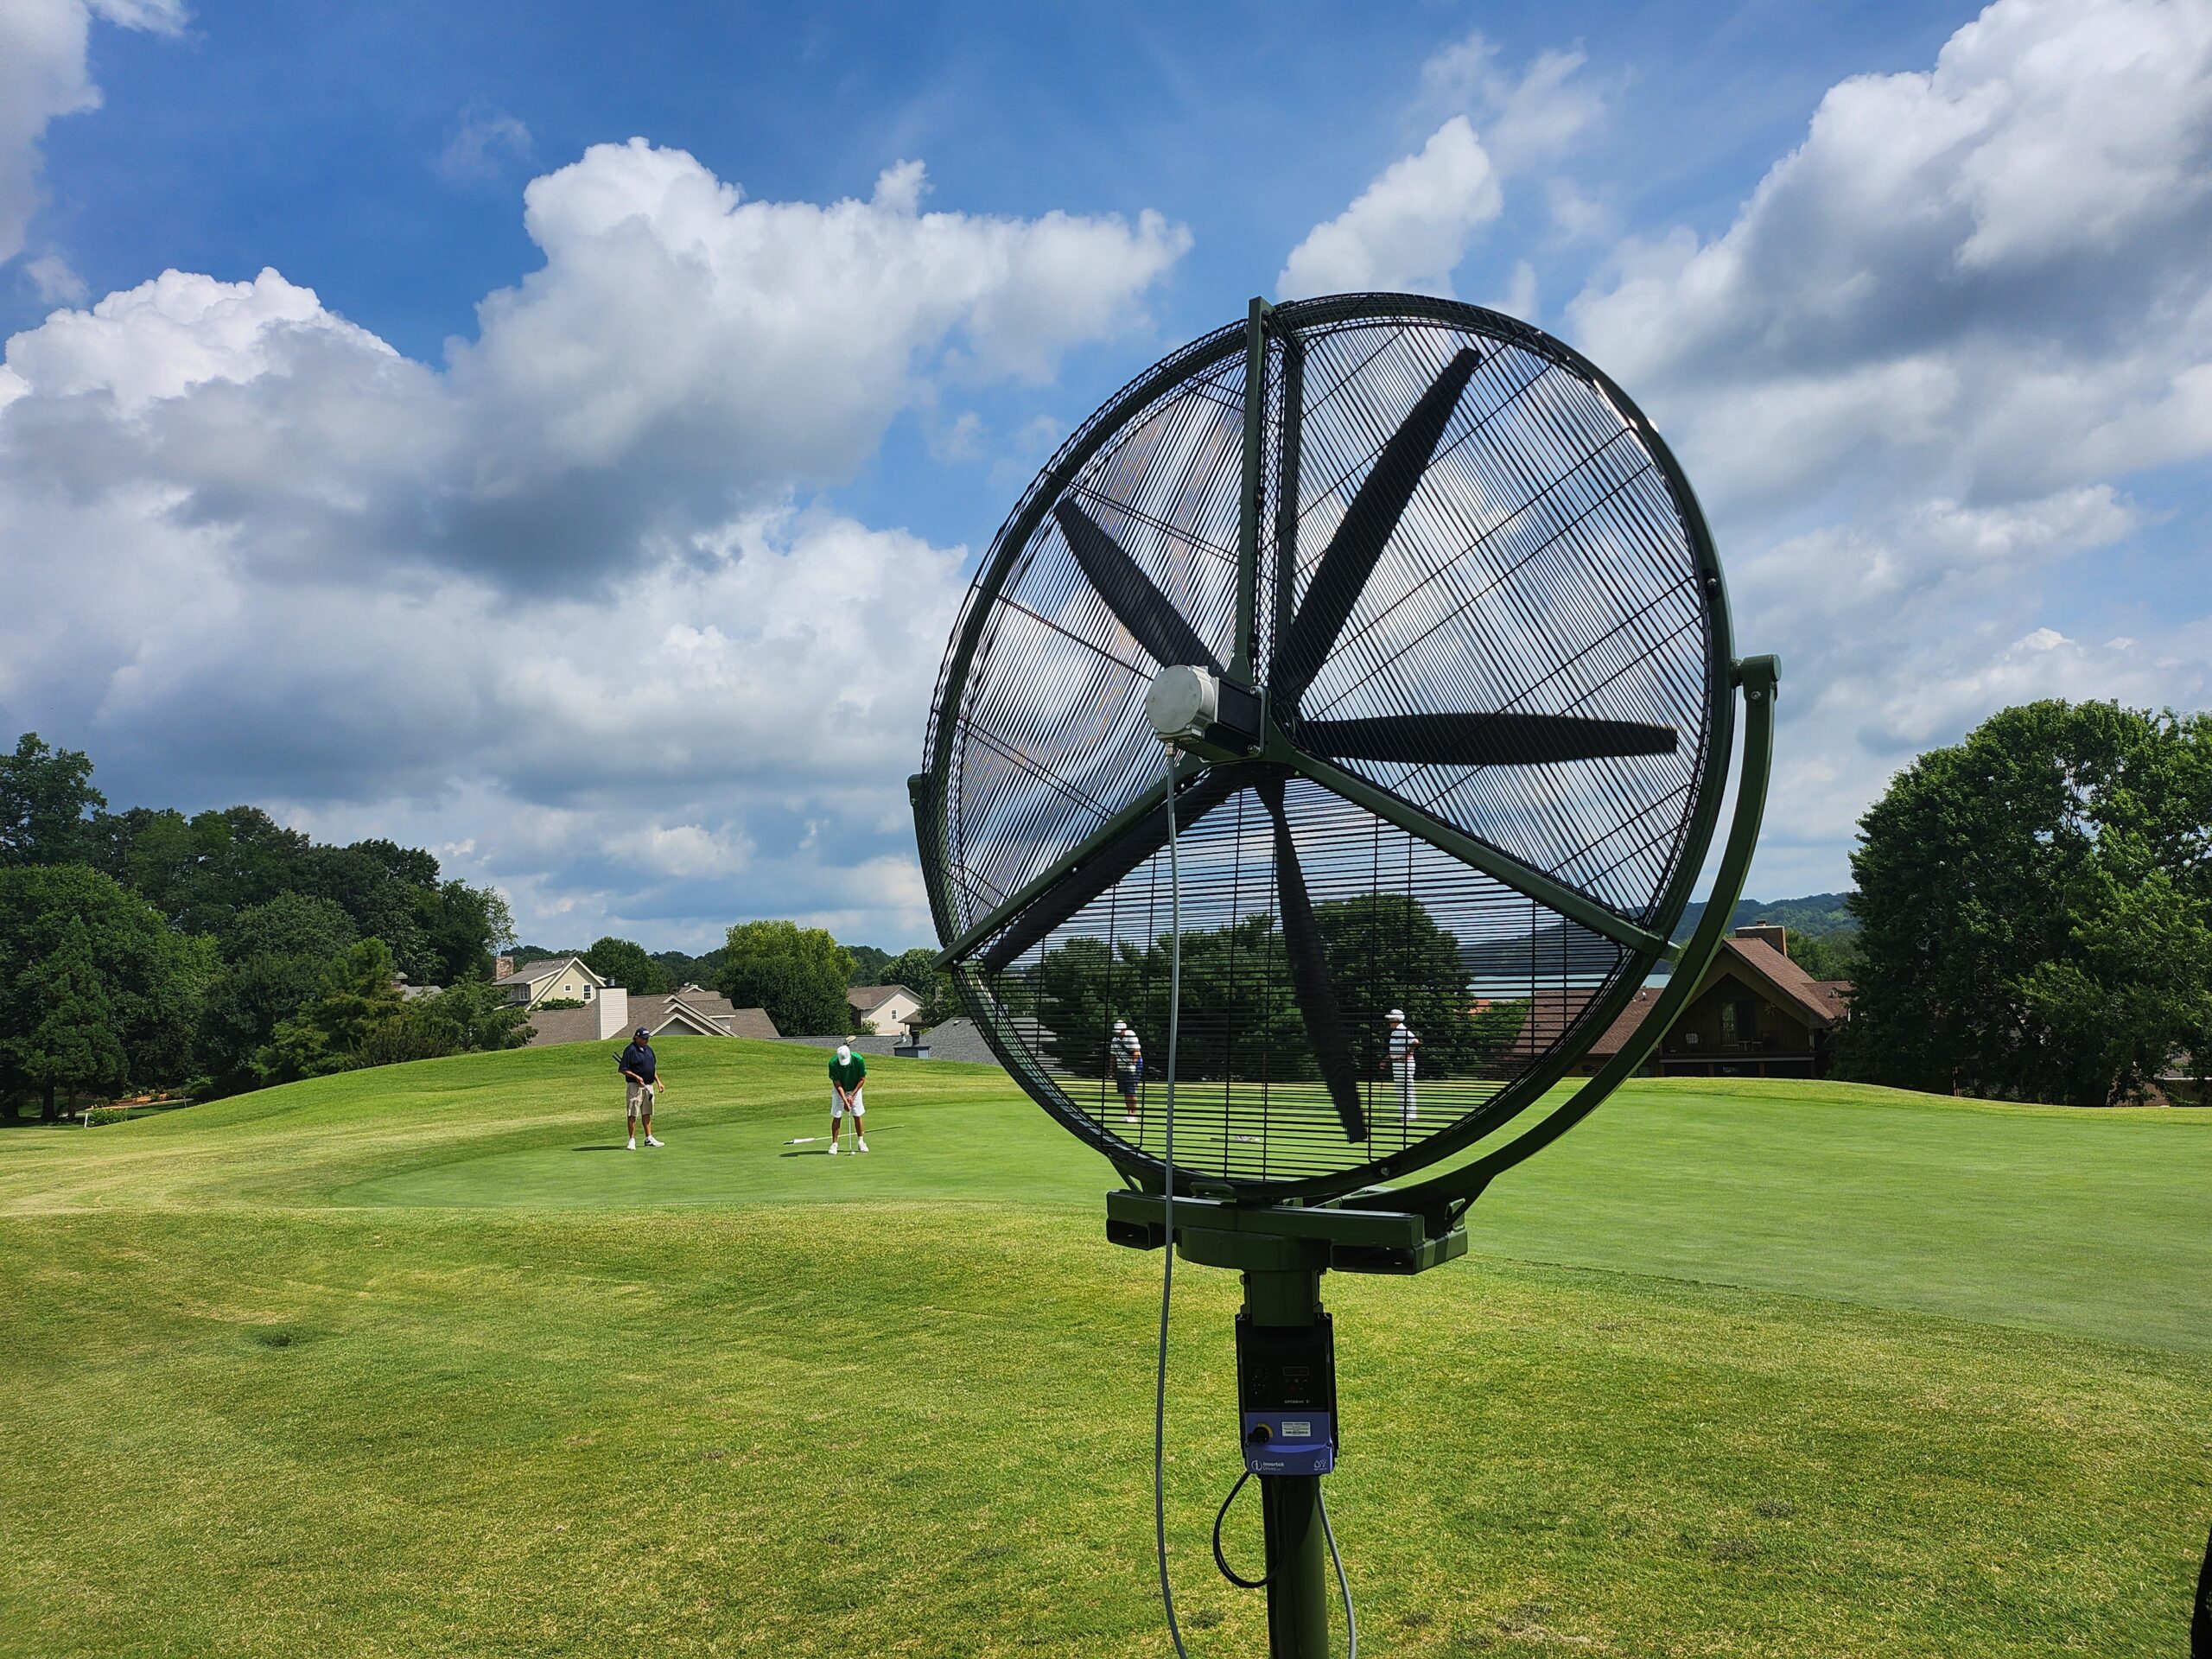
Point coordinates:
[(1433, 630)]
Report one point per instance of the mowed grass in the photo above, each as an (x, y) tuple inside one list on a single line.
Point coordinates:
[(409, 1362)]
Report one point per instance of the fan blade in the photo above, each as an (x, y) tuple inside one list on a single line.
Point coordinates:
[(1350, 555), (1152, 619), (1107, 865), (1309, 972), (1483, 740)]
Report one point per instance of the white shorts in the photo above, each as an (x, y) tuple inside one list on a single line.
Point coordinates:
[(838, 1103)]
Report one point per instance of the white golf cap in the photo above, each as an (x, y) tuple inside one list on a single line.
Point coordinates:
[(1121, 1025), (844, 1050), (1399, 1014)]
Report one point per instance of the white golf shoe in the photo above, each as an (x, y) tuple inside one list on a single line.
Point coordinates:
[(634, 1143), (652, 1141), (859, 1143), (833, 1148)]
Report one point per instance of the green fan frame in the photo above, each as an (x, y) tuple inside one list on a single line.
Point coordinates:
[(1435, 1203)]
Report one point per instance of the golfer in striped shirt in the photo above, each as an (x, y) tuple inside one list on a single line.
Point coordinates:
[(1402, 1043), (1128, 1056)]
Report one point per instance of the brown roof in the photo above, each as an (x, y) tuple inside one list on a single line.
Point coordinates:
[(1821, 1002), (1818, 1001), (563, 1026), (1615, 1037), (709, 1008), (543, 968), (1551, 1012), (874, 996)]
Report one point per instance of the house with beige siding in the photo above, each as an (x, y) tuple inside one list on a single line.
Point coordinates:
[(886, 1009), (556, 979)]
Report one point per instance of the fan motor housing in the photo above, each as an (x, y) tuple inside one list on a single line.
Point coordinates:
[(1195, 709)]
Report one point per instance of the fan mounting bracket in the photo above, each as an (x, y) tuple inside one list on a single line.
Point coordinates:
[(1273, 1238)]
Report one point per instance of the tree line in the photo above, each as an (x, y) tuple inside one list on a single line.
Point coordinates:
[(219, 952), (1240, 1020)]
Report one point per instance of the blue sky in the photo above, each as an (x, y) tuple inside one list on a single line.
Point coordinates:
[(489, 530)]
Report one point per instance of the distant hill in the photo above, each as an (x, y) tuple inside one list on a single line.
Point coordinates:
[(1819, 915), (1816, 915), (1825, 916)]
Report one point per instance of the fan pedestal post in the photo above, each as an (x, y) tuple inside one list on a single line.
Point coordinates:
[(1281, 1251), (1290, 1505)]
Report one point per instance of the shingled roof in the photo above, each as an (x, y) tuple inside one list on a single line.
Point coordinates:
[(702, 1011), (1820, 1003), (1821, 1000), (874, 996)]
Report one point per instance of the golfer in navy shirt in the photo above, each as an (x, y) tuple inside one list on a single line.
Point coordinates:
[(642, 1073)]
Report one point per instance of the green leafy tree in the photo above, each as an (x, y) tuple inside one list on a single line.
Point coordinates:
[(1386, 951), (464, 926), (154, 978), (1827, 955), (2135, 994), (46, 795), (682, 969), (799, 975), (2032, 905), (469, 1017), (70, 1041), (1076, 984), (274, 958), (201, 872), (1240, 1017), (620, 963), (352, 1015), (390, 891), (870, 965)]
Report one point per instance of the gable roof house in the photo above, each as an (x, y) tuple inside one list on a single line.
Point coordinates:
[(690, 1011), (554, 978), (1755, 1014), (609, 1011), (888, 1008), (605, 1013)]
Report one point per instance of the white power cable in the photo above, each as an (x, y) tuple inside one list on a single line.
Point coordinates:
[(1168, 1212), (1167, 1271)]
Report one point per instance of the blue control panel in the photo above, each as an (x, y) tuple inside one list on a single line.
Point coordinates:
[(1287, 1394), (1289, 1443)]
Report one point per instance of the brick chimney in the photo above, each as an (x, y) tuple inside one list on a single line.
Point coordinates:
[(503, 967), (1771, 933)]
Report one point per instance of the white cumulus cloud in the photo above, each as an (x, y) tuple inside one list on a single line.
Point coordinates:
[(1408, 230), (560, 596), (1916, 378)]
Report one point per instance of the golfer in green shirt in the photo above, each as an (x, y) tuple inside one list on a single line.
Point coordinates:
[(846, 1070)]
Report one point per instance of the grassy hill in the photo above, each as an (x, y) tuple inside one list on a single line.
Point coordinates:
[(418, 1361)]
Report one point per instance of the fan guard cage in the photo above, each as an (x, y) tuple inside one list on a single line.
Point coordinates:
[(1552, 561)]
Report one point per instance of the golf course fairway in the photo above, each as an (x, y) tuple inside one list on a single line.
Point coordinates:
[(419, 1361)]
